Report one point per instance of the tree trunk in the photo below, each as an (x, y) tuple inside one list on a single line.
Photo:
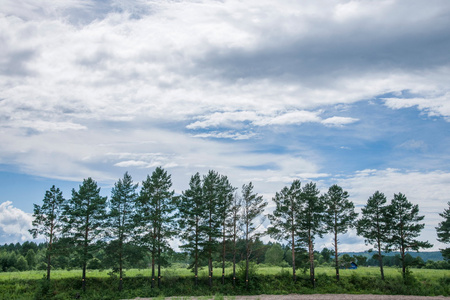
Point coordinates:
[(83, 279), (210, 267), (223, 254), (159, 224), (50, 244), (159, 266), (85, 253), (49, 255), (380, 260), (234, 251), (120, 267), (196, 252), (294, 276), (247, 256), (311, 260), (153, 268), (336, 254), (402, 251)]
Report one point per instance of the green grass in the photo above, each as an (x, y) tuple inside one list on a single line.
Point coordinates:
[(183, 272), (177, 284)]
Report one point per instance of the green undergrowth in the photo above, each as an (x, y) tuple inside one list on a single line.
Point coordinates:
[(183, 288)]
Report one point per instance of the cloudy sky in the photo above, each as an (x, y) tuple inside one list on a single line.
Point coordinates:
[(355, 93)]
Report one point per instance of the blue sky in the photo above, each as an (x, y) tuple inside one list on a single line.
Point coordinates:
[(354, 93)]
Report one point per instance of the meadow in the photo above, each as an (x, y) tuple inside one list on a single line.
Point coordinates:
[(178, 281)]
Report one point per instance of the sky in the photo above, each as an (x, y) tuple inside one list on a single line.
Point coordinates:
[(354, 93)]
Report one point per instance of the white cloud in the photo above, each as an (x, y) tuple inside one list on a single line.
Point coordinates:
[(14, 223), (238, 119), (432, 105), (339, 121), (225, 135), (293, 117)]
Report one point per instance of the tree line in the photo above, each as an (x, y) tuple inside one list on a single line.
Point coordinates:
[(215, 222)]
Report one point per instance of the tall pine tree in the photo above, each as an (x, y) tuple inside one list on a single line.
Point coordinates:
[(405, 227), (311, 223), (234, 226), (47, 221), (213, 222), (192, 214), (84, 217), (374, 225), (339, 216), (253, 206), (286, 216), (121, 222), (225, 199), (157, 206)]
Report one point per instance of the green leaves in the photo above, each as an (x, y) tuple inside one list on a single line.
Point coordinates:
[(404, 224), (373, 225), (339, 211), (443, 231)]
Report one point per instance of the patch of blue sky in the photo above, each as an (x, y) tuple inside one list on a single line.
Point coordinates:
[(24, 190)]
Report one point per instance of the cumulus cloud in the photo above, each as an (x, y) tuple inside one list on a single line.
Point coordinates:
[(338, 121), (14, 223), (432, 106)]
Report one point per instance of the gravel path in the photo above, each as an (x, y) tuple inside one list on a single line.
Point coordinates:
[(323, 297)]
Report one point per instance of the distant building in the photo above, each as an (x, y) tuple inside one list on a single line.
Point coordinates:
[(353, 266)]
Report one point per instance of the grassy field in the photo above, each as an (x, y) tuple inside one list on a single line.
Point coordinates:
[(178, 271), (178, 281)]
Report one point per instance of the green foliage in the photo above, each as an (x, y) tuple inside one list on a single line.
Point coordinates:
[(374, 225), (21, 263), (274, 255), (339, 216), (84, 222), (47, 223), (120, 224), (443, 231), (192, 213), (253, 205), (405, 227)]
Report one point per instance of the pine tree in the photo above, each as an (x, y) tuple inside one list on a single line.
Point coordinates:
[(405, 227), (121, 221), (225, 199), (234, 225), (311, 222), (213, 222), (84, 217), (253, 206), (339, 216), (374, 225), (157, 206), (443, 231), (47, 221), (284, 219), (192, 214)]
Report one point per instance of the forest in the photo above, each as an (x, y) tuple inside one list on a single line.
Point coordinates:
[(218, 228)]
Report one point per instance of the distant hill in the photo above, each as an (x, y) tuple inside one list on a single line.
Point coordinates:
[(431, 255)]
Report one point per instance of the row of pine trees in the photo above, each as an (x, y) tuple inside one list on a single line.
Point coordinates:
[(210, 215)]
